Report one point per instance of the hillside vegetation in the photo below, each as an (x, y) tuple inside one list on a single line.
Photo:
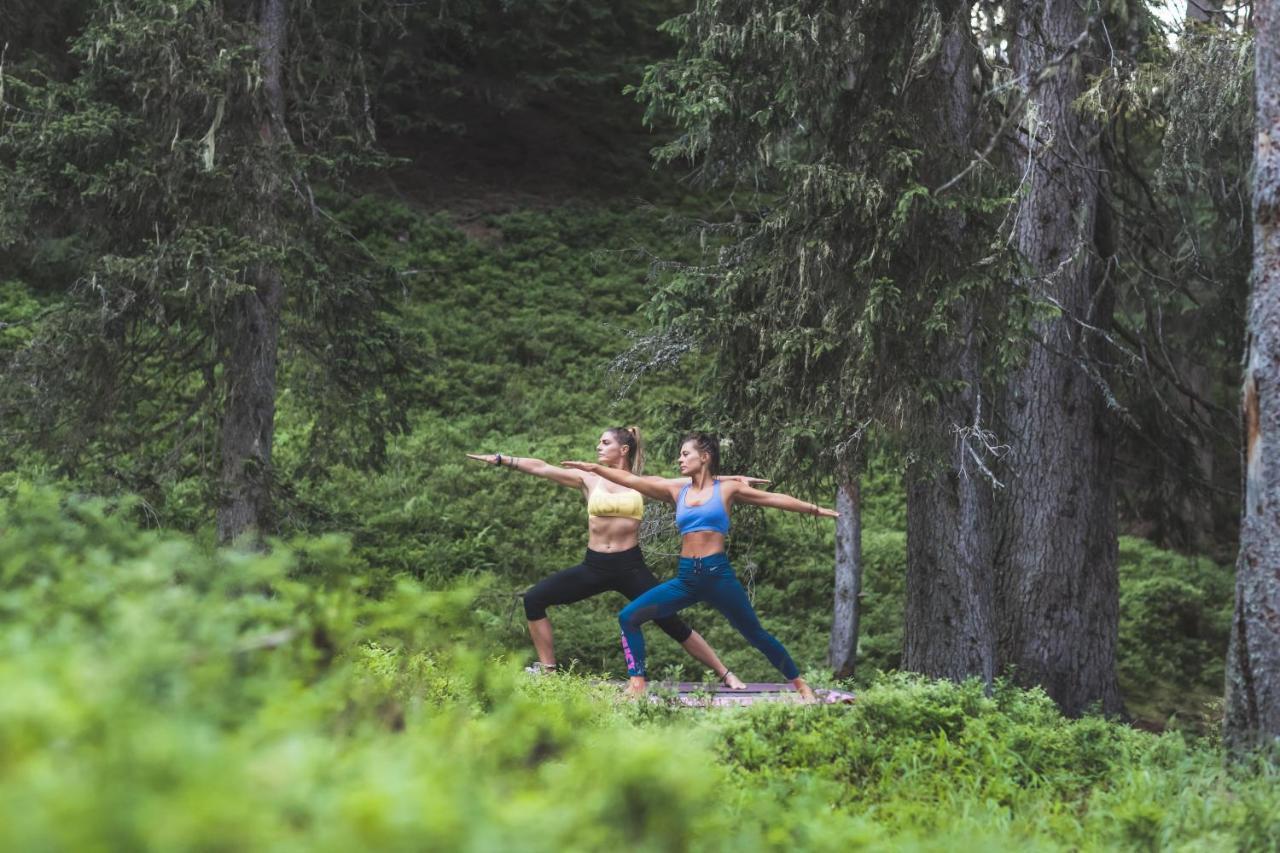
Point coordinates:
[(359, 686)]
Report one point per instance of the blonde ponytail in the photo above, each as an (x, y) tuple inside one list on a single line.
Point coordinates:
[(629, 437), (637, 452)]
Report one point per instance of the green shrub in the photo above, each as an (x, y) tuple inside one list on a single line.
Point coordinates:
[(1175, 621), (935, 760), (156, 695), (19, 308)]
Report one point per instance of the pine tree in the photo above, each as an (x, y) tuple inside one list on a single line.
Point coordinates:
[(845, 299), (1057, 583), (950, 628), (177, 157)]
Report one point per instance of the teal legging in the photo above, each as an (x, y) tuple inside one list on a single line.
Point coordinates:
[(710, 579)]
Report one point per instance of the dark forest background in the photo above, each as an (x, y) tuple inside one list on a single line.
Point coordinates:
[(974, 272)]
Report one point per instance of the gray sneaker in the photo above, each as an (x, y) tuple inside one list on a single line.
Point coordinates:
[(540, 668)]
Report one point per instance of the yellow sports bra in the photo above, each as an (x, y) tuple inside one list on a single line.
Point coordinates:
[(627, 503)]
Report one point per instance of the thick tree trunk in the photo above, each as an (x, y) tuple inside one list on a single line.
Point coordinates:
[(1204, 11), (842, 654), (250, 335), (949, 631), (1253, 662), (1057, 592)]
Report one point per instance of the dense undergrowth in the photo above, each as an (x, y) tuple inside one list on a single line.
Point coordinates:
[(359, 686), (156, 696)]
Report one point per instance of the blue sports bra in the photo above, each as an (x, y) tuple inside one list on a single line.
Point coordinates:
[(710, 515)]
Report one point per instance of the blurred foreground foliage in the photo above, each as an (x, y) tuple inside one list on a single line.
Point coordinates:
[(155, 695)]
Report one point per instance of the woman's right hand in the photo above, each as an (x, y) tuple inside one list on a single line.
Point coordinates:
[(489, 458), (589, 467)]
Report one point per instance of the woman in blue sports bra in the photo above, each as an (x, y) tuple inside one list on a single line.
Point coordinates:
[(702, 517)]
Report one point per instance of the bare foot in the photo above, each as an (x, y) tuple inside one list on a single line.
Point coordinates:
[(636, 687), (807, 695), (732, 681)]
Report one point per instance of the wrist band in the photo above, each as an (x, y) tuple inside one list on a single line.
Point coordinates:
[(497, 460)]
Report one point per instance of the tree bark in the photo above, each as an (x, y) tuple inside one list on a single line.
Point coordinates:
[(1057, 592), (1182, 520), (948, 632), (251, 331), (1252, 716), (1204, 12), (842, 653)]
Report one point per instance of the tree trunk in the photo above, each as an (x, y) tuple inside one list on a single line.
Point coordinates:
[(251, 331), (1057, 593), (1204, 12), (948, 631), (250, 337), (950, 584), (1183, 521), (842, 654), (1253, 664)]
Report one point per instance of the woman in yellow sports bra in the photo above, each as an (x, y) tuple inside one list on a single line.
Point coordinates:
[(613, 560)]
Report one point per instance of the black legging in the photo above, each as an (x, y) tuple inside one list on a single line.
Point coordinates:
[(623, 572)]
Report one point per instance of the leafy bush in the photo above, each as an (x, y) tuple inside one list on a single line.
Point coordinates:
[(1175, 622), (18, 309), (935, 760), (155, 695)]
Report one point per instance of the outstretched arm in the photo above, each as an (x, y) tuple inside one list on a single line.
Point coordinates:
[(658, 488), (746, 494), (536, 467), (681, 482)]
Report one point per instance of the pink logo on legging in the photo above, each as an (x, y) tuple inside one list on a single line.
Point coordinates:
[(626, 650)]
